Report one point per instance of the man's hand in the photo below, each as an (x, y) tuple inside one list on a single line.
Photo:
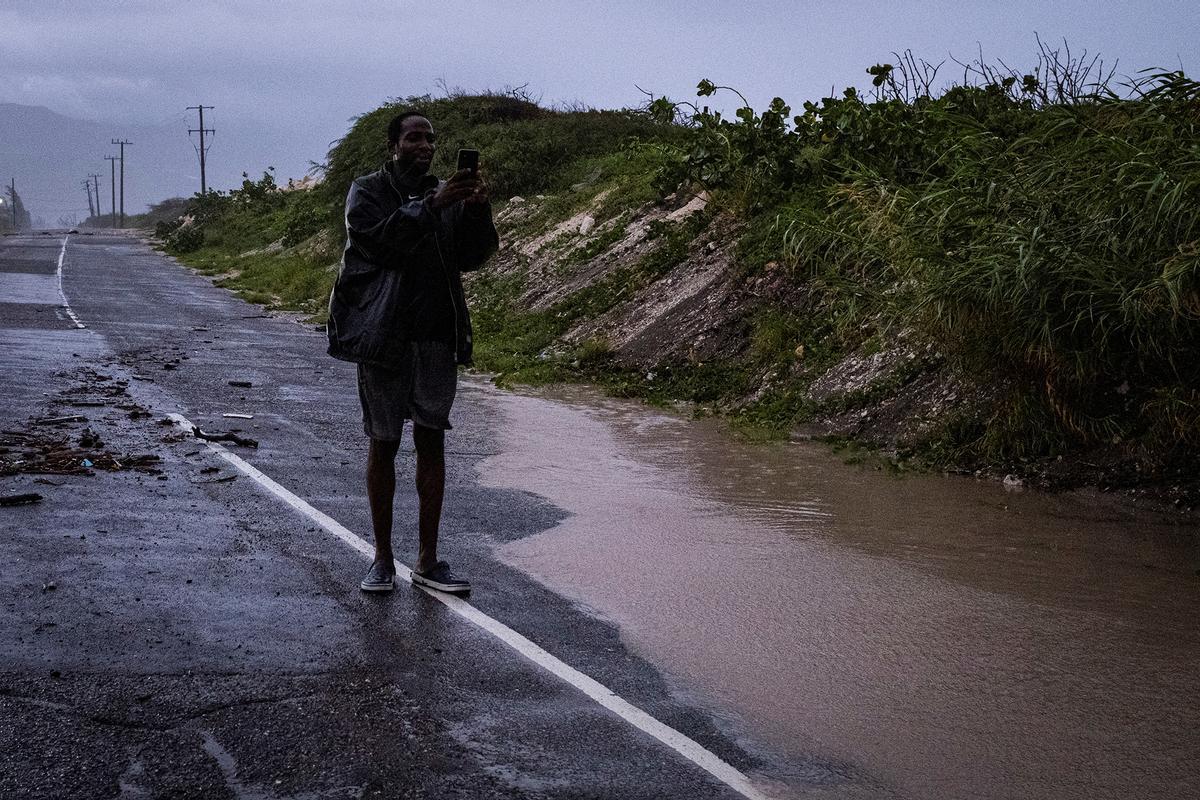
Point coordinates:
[(479, 197), (463, 185)]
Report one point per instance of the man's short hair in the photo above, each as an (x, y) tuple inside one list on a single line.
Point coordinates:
[(396, 126)]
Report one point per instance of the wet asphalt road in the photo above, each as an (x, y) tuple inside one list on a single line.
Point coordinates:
[(170, 633)]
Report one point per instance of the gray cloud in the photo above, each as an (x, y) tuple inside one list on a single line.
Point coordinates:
[(289, 74)]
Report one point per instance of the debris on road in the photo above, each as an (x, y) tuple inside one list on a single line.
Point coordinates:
[(49, 586), (241, 384), (60, 420), (20, 499), (37, 453), (138, 377), (209, 470), (97, 388), (225, 479), (143, 462), (238, 416), (223, 437)]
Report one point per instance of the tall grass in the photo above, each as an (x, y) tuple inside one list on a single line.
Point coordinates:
[(1047, 239)]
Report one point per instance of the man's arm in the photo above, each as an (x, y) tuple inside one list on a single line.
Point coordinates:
[(476, 235), (383, 236), (474, 232)]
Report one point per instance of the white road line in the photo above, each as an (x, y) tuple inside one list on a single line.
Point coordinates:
[(688, 748), (58, 272)]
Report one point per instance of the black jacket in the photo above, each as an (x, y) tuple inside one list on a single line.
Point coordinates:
[(400, 278)]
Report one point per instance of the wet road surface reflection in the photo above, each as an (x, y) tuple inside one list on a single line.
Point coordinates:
[(947, 637)]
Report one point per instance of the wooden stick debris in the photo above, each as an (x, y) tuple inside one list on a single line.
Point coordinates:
[(223, 437), (20, 499)]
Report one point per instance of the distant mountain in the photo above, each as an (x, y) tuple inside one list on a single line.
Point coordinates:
[(50, 155)]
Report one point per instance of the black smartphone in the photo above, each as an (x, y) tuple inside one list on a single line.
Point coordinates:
[(468, 159)]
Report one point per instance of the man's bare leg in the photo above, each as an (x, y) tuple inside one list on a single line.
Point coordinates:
[(431, 488), (381, 491)]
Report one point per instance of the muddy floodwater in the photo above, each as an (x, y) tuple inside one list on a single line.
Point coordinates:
[(936, 637)]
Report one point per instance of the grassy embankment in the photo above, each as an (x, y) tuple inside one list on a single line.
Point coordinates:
[(1040, 231)]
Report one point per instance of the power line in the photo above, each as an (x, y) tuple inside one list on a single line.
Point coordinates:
[(41, 200), (122, 142), (203, 148)]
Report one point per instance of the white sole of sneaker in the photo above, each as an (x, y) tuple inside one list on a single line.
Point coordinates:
[(377, 587), (448, 588)]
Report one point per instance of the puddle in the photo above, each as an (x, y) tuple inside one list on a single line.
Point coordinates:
[(946, 636)]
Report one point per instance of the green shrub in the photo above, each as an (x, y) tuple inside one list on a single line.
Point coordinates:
[(525, 149), (186, 239), (304, 217), (165, 228)]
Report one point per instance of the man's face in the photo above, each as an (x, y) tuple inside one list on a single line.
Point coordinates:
[(414, 149)]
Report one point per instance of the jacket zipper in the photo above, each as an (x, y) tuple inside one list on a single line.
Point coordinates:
[(437, 243)]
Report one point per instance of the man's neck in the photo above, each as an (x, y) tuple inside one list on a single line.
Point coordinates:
[(407, 175), (408, 184)]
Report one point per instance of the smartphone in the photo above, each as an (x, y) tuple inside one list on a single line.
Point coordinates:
[(468, 159)]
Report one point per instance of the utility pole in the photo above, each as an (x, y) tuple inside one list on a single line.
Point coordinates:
[(203, 148), (96, 179), (122, 142), (87, 184), (112, 168), (13, 188)]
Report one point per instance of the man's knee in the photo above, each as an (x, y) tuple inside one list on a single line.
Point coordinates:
[(430, 443), (383, 450)]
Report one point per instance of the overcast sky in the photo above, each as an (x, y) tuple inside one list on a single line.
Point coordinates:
[(292, 72)]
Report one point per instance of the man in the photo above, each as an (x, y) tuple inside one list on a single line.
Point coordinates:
[(398, 310)]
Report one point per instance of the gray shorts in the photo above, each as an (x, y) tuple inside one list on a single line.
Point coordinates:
[(421, 389)]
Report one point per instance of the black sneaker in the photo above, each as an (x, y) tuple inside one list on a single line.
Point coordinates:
[(380, 578), (442, 579)]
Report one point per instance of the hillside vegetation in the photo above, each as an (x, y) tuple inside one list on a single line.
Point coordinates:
[(1002, 274)]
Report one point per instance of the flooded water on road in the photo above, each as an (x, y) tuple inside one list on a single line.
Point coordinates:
[(946, 637)]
